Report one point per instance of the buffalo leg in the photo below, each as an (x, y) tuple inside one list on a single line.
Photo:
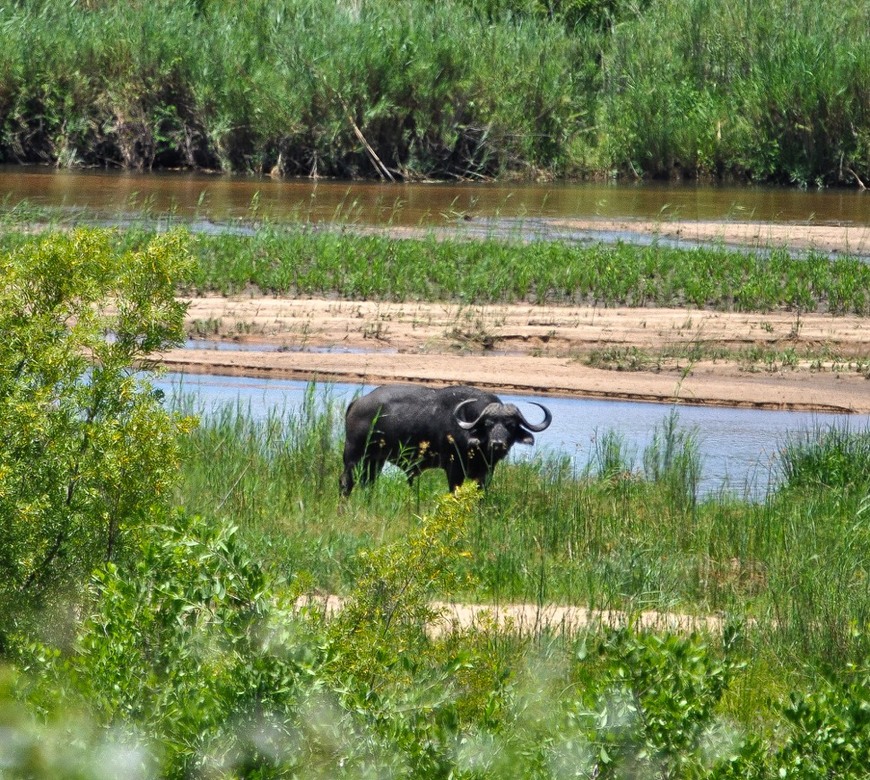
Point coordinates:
[(455, 477), (367, 471), (345, 481)]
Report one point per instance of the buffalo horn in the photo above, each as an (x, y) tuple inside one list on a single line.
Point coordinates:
[(468, 425), (543, 425)]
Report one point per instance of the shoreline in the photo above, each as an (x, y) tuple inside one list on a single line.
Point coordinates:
[(777, 360), (687, 356)]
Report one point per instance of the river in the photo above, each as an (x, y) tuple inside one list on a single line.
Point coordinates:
[(199, 197), (738, 447)]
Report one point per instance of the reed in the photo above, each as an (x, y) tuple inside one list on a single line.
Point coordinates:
[(830, 457), (709, 88), (767, 90)]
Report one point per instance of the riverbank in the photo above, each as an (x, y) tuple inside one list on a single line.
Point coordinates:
[(524, 91)]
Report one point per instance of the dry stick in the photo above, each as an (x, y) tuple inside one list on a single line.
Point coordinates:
[(857, 178), (382, 169)]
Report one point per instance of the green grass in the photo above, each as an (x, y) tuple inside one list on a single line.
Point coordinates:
[(302, 262), (764, 91), (192, 657), (627, 532), (188, 657), (295, 260)]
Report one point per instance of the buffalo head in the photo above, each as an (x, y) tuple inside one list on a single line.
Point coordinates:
[(499, 426)]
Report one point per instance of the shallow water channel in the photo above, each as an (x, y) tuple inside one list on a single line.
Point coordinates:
[(738, 447)]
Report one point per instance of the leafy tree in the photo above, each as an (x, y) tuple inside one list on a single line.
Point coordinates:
[(87, 450)]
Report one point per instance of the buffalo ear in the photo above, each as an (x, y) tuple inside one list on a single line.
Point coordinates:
[(526, 438)]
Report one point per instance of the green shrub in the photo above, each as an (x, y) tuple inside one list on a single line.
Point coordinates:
[(828, 731), (192, 652), (835, 458), (87, 450), (195, 662)]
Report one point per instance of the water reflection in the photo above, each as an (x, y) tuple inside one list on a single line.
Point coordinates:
[(738, 446)]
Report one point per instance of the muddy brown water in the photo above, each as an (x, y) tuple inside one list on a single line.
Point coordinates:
[(221, 198)]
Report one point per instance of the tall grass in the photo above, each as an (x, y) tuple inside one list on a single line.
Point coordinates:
[(830, 457), (616, 534), (767, 90)]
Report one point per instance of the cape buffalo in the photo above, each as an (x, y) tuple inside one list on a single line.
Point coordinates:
[(462, 430)]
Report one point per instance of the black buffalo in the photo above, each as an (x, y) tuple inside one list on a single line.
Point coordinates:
[(462, 430)]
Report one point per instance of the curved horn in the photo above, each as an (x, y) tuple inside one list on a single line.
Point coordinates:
[(467, 425), (541, 426)]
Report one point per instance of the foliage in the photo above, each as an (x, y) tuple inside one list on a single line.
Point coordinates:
[(390, 610), (197, 659), (87, 450), (382, 658), (829, 730), (196, 662), (61, 744), (672, 459), (696, 89), (766, 91), (191, 654), (628, 704)]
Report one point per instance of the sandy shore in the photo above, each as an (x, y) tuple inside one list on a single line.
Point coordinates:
[(830, 239), (688, 355)]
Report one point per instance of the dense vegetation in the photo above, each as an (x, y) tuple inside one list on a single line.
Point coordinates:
[(770, 90), (85, 446), (150, 617), (303, 262)]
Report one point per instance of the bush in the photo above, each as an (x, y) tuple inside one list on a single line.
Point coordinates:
[(190, 653), (87, 450), (197, 663)]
